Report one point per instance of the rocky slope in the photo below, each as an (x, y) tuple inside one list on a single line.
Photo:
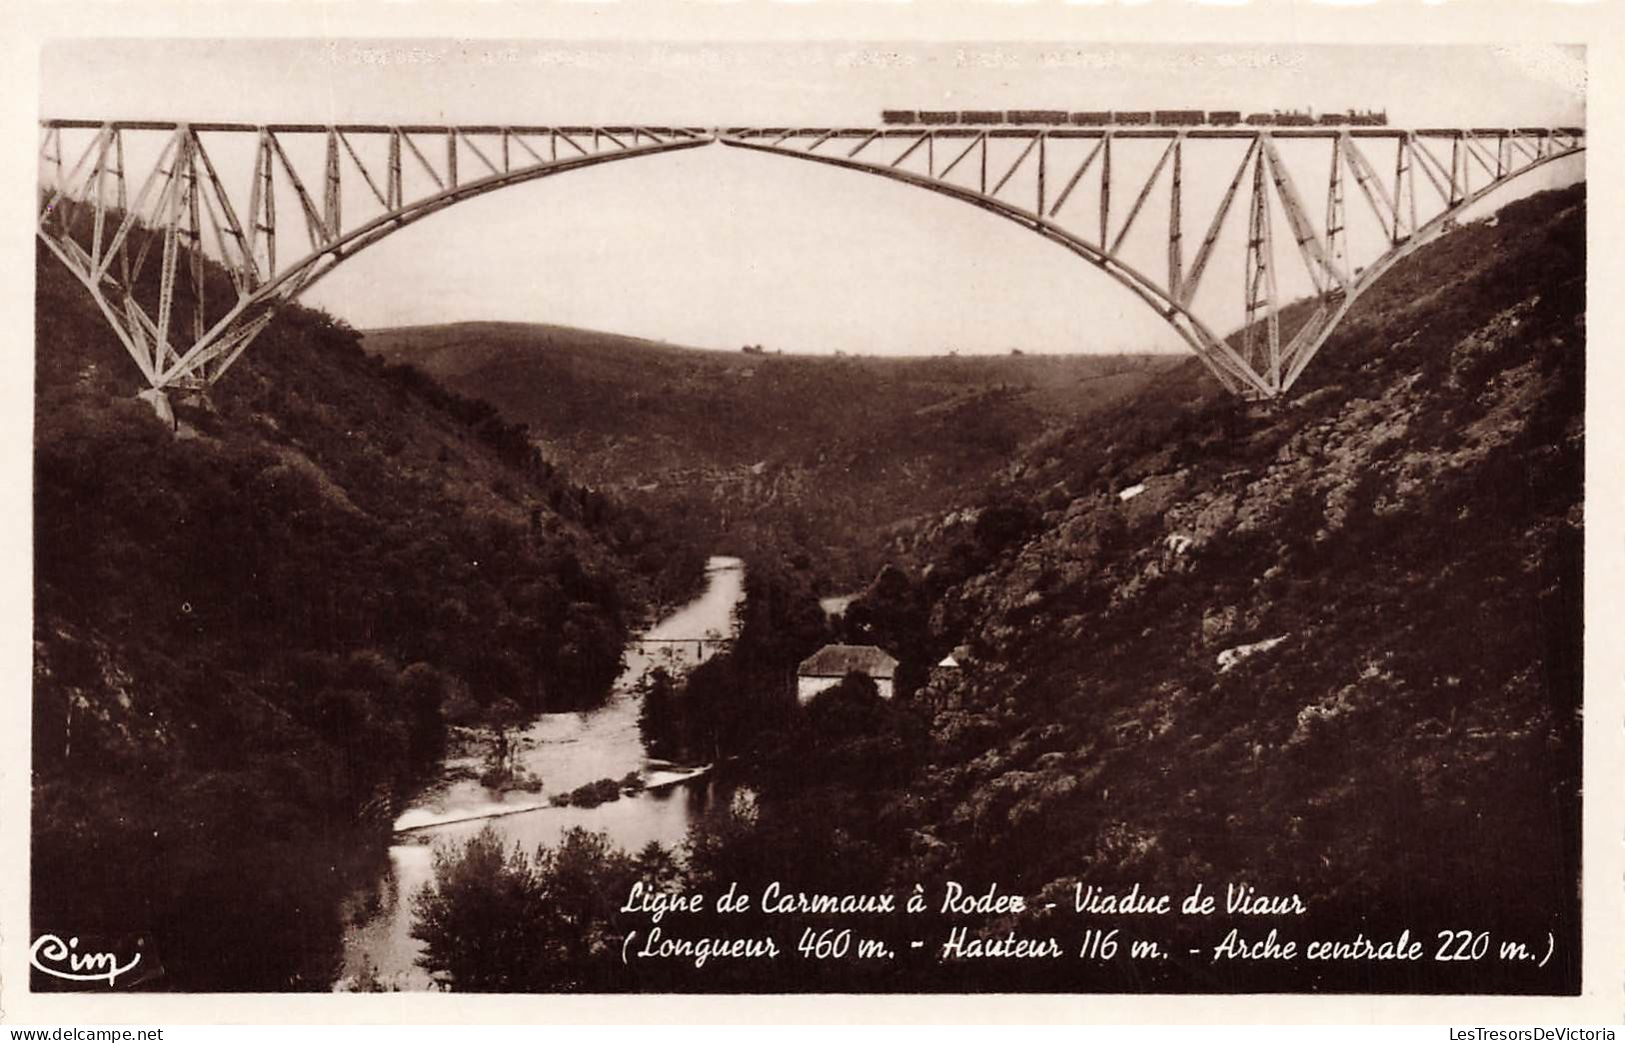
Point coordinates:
[(1331, 648)]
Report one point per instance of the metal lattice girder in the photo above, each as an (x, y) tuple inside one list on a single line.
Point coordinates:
[(1332, 267), (210, 192), (187, 194), (1261, 291)]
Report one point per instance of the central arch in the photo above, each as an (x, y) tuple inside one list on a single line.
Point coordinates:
[(1220, 358)]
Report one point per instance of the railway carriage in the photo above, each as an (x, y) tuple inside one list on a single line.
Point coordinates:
[(1047, 117), (1133, 118), (1180, 117)]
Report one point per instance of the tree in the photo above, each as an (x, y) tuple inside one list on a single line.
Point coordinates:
[(659, 867), (851, 709), (425, 692), (502, 721), (584, 881), (482, 921), (722, 847), (503, 921), (660, 719)]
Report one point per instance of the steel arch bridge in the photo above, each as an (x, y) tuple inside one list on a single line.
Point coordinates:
[(375, 179)]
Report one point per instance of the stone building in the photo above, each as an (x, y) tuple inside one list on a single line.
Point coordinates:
[(826, 667)]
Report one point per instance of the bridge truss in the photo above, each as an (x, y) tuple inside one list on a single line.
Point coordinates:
[(113, 191)]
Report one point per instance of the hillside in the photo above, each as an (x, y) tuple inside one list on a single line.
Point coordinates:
[(250, 636), (1332, 648), (813, 456)]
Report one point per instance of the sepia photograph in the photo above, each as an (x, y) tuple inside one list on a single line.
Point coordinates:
[(530, 516)]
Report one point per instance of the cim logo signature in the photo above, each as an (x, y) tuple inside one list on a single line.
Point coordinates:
[(65, 960)]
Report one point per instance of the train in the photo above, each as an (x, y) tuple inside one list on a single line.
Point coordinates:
[(1130, 118)]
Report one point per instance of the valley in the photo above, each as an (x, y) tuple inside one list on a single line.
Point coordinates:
[(821, 458), (1320, 656)]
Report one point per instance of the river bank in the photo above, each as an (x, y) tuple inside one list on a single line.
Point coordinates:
[(566, 751)]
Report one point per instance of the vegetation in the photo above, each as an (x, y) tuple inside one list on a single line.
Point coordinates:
[(812, 458), (503, 721), (602, 791), (500, 921)]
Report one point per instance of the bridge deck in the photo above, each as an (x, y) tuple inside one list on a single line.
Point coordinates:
[(895, 131)]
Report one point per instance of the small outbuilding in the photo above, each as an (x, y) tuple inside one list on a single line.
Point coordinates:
[(826, 667), (952, 663)]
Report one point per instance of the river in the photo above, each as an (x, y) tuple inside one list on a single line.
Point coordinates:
[(566, 750)]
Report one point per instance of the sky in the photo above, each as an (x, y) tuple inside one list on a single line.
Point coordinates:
[(718, 248)]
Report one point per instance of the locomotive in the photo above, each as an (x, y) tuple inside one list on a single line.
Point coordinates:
[(1130, 118)]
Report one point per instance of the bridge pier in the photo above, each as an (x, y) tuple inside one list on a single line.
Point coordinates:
[(179, 414), (159, 401)]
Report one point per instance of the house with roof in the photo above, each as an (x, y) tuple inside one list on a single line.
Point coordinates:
[(825, 668)]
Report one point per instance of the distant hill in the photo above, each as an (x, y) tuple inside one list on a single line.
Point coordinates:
[(814, 456)]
